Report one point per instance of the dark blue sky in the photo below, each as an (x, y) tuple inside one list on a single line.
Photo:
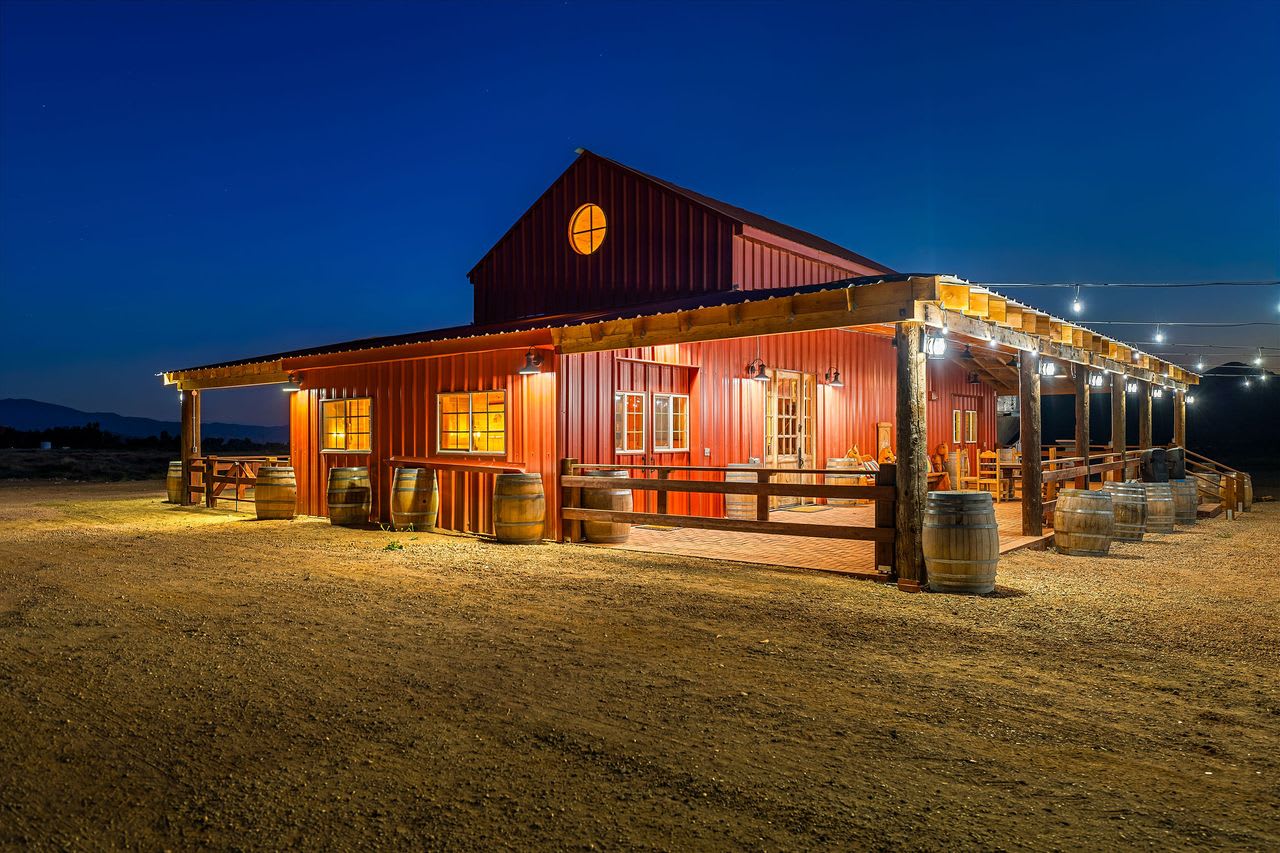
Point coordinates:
[(187, 183)]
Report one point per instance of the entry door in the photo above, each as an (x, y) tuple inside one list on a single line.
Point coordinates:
[(788, 428)]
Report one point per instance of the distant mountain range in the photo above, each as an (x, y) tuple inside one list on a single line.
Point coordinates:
[(35, 415)]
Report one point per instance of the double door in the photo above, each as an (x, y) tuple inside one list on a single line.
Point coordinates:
[(789, 429)]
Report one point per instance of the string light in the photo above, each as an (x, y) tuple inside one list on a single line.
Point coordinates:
[(1199, 365), (1257, 359), (1076, 305), (1159, 335), (1247, 383)]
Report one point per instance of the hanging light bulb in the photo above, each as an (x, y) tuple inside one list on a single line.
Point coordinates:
[(1159, 335), (1199, 365), (1257, 359), (1076, 305)]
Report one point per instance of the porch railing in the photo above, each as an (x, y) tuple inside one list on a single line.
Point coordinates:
[(212, 476), (1055, 470), (882, 532)]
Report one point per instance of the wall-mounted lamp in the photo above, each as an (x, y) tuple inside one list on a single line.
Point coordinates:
[(934, 346), (832, 378), (756, 370), (967, 355), (293, 386), (1048, 368), (1157, 392), (1095, 380), (532, 364), (1131, 387), (1191, 398)]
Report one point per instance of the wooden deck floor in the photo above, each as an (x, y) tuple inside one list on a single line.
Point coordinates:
[(803, 552)]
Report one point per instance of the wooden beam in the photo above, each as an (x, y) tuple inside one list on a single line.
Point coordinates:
[(913, 457), (1082, 420), (1030, 438), (190, 439), (1144, 415), (1180, 418)]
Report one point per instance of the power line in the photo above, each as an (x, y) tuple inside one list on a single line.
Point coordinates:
[(1183, 323), (1268, 283)]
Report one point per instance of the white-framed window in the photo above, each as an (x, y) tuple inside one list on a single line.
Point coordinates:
[(670, 423), (628, 422), (957, 426), (346, 426), (473, 422)]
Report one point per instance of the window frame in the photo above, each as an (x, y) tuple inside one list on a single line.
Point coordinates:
[(506, 438), (671, 412), (644, 423), (970, 426), (957, 426), (346, 419)]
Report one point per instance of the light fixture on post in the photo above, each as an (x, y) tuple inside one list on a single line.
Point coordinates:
[(1157, 392), (1095, 380), (934, 346), (1076, 305), (832, 378), (1048, 368), (1131, 387), (532, 364), (1191, 398)]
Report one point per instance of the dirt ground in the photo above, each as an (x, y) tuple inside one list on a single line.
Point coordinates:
[(182, 678)]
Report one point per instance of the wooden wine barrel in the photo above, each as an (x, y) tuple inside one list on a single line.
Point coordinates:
[(1153, 467), (957, 468), (349, 496), (1083, 523), (1176, 461), (741, 506), (619, 500), (1160, 510), (1210, 487), (1185, 501), (1248, 493), (839, 463), (519, 508), (961, 542), (1129, 506), (275, 493), (173, 483), (415, 499)]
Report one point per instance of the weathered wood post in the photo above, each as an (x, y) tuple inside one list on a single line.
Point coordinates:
[(1082, 421), (1029, 436), (1144, 415), (913, 456), (1180, 418), (190, 429), (1118, 422)]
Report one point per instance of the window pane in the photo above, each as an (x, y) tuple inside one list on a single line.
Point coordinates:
[(661, 421)]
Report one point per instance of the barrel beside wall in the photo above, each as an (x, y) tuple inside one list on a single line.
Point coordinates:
[(617, 500), (519, 508), (1083, 523), (275, 493), (961, 542), (173, 483), (415, 499), (349, 496)]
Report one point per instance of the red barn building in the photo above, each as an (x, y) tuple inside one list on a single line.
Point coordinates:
[(623, 320)]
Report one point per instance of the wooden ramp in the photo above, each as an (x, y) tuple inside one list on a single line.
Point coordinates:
[(843, 556)]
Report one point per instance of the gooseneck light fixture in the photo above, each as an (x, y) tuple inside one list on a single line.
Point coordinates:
[(832, 378), (532, 364)]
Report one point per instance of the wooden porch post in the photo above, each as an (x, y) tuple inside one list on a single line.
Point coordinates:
[(1029, 436), (1119, 425), (1082, 421), (1144, 415), (1180, 418), (190, 439), (913, 456)]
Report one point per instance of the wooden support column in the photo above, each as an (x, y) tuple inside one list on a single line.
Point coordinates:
[(190, 439), (1144, 415), (1180, 418), (1029, 436), (1082, 421), (1119, 424), (913, 457)]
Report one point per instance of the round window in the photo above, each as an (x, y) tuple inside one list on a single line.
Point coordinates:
[(586, 229)]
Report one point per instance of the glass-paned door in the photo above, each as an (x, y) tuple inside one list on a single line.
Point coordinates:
[(788, 428)]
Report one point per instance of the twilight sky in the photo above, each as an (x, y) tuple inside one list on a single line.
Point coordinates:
[(185, 183)]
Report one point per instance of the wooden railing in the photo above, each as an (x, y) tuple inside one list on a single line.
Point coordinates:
[(1231, 492), (212, 475), (1057, 469), (882, 533)]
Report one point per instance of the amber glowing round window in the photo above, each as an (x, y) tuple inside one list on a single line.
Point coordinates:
[(586, 229)]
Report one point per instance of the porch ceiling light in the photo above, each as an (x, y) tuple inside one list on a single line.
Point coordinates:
[(833, 378), (967, 355), (293, 386), (532, 364)]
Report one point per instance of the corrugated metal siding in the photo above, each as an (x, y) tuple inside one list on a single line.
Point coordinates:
[(658, 245), (404, 416), (727, 409), (757, 266), (948, 381)]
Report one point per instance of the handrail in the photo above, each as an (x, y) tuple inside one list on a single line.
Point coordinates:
[(1191, 454), (474, 466)]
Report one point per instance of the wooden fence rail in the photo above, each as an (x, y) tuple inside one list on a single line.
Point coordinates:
[(882, 533)]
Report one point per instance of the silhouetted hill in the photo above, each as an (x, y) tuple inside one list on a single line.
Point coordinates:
[(36, 415)]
